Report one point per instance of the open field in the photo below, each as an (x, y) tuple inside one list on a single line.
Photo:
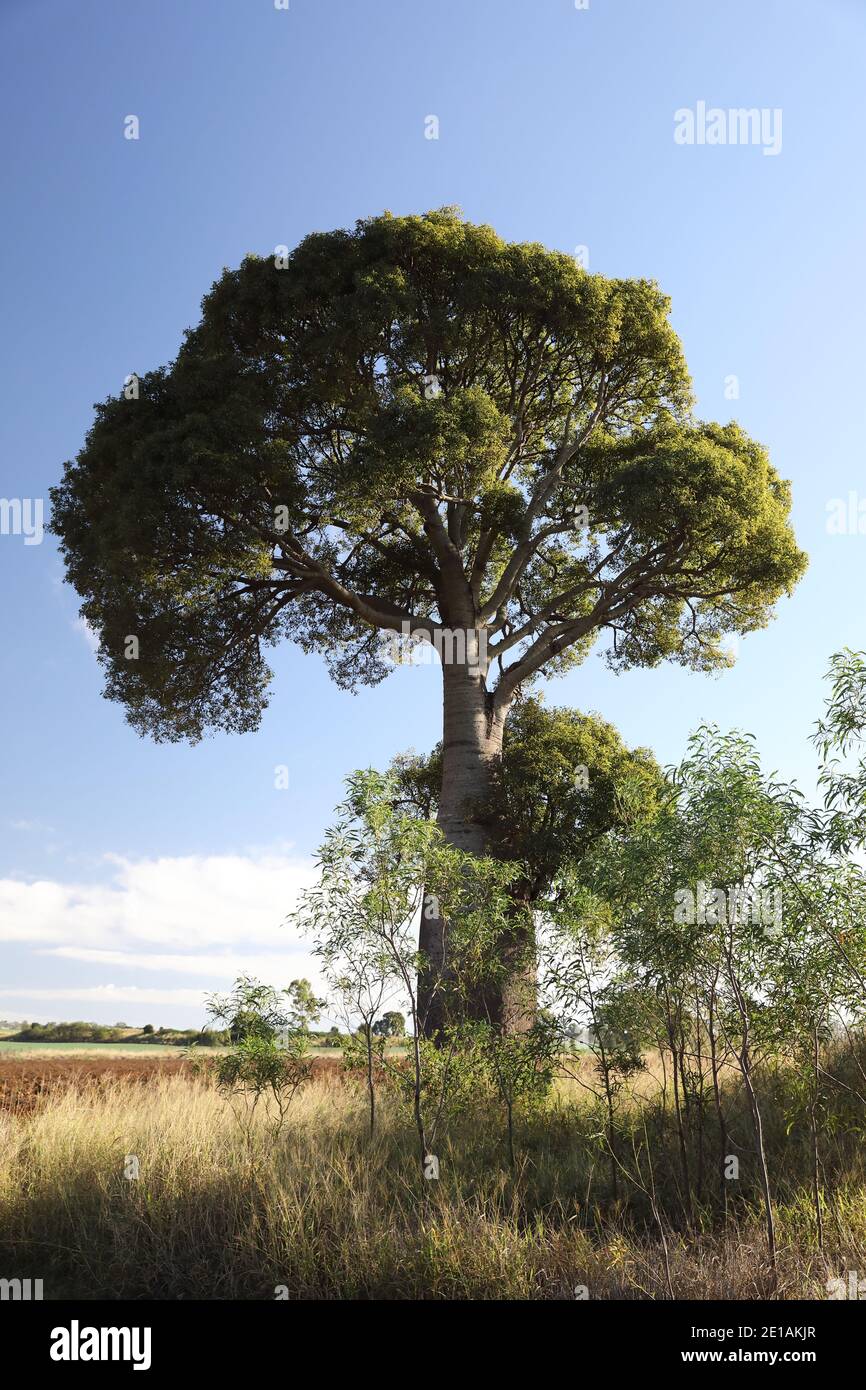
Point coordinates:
[(35, 1080), (222, 1210), (98, 1049), (87, 1049)]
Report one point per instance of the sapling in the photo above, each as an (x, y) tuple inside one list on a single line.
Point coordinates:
[(380, 870), (267, 1059)]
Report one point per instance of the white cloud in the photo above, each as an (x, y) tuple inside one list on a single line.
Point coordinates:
[(177, 903), (207, 917)]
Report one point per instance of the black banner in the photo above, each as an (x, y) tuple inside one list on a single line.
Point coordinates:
[(84, 1340)]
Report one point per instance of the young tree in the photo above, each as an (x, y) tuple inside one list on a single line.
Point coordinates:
[(839, 737), (267, 1060), (415, 426), (520, 1065), (379, 869), (588, 992), (359, 975)]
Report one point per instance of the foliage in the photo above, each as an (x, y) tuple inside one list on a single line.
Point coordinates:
[(564, 780), (521, 1066), (413, 422), (391, 1025), (379, 869), (269, 1033)]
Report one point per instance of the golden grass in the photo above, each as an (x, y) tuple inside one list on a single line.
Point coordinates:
[(327, 1213)]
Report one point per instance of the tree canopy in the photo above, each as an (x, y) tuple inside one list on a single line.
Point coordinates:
[(413, 422)]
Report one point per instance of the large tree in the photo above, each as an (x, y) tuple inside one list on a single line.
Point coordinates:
[(416, 425)]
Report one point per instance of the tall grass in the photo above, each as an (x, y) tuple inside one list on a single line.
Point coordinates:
[(325, 1212)]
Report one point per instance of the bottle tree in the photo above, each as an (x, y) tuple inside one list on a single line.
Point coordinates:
[(416, 426)]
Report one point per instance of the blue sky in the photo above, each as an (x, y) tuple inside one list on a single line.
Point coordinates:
[(135, 876)]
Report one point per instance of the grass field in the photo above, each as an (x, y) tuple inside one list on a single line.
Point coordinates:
[(221, 1210)]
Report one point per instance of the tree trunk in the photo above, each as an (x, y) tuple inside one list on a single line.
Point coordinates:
[(813, 1124), (471, 743), (717, 1094)]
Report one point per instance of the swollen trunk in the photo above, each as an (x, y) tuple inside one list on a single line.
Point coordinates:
[(472, 742)]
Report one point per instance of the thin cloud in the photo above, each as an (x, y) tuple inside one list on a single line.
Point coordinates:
[(111, 994), (178, 904), (271, 968)]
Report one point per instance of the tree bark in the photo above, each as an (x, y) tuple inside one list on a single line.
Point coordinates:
[(471, 743)]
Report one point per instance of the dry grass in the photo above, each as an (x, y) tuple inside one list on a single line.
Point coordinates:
[(330, 1214)]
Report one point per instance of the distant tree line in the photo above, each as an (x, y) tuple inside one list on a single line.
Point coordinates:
[(82, 1032)]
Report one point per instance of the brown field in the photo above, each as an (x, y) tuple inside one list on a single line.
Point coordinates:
[(26, 1084)]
